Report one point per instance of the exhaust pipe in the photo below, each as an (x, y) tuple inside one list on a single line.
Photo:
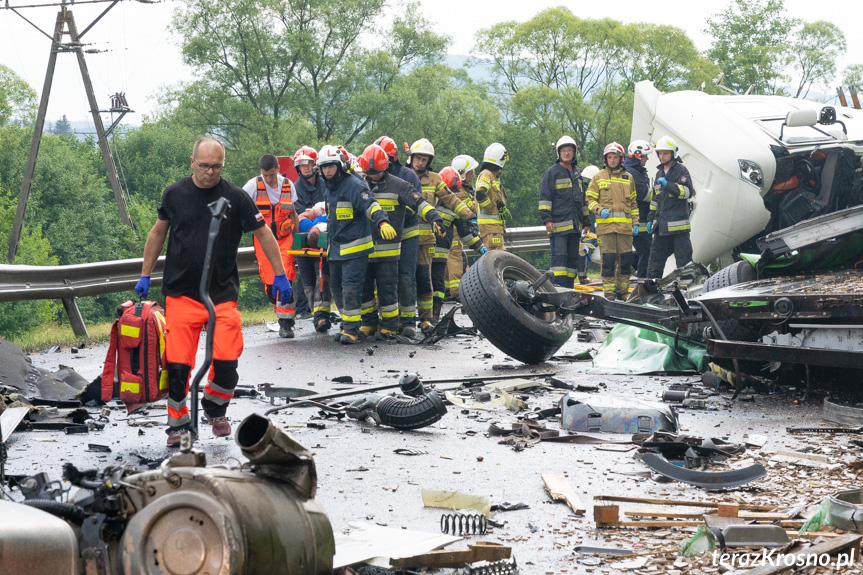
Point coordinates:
[(399, 412)]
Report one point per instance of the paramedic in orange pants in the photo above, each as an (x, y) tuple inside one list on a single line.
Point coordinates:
[(184, 213), (273, 197)]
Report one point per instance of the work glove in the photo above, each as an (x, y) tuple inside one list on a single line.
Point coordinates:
[(604, 213), (474, 226), (483, 250), (437, 228), (650, 227), (387, 231), (282, 290), (635, 230), (142, 288), (661, 181), (504, 213)]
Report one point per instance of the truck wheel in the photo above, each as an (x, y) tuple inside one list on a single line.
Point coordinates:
[(527, 335), (736, 273)]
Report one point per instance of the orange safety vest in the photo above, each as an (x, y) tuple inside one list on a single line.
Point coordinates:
[(278, 216)]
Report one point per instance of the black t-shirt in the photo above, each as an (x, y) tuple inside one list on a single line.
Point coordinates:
[(184, 205)]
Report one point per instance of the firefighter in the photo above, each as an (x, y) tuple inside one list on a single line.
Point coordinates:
[(314, 273), (395, 196), (457, 261), (271, 193), (637, 156), (350, 207), (410, 243), (184, 212), (611, 196), (491, 197), (563, 212), (431, 265), (669, 210)]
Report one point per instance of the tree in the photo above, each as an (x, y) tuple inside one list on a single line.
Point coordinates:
[(853, 76), (751, 43), (17, 98), (815, 49), (62, 127)]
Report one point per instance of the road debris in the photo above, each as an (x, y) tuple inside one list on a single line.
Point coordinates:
[(559, 489), (456, 500)]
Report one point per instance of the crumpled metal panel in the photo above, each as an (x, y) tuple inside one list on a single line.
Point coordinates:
[(845, 510), (584, 412)]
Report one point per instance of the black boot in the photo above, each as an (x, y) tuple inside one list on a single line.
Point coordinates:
[(286, 328), (436, 311)]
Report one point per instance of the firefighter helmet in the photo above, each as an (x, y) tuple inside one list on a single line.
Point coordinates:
[(464, 164), (424, 147), (639, 148), (450, 177), (666, 144), (389, 146), (565, 141), (306, 155), (331, 155), (373, 160), (613, 148), (495, 154)]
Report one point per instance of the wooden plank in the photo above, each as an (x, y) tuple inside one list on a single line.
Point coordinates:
[(650, 524), (836, 545), (686, 503), (10, 419), (480, 551), (559, 488), (644, 512)]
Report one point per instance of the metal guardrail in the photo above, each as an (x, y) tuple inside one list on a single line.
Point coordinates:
[(66, 283)]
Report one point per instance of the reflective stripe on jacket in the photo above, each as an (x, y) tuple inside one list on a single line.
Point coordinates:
[(444, 201), (278, 217), (350, 207), (490, 194), (669, 206), (396, 197), (613, 190), (561, 200)]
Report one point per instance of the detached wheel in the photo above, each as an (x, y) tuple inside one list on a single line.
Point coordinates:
[(527, 335), (737, 273)]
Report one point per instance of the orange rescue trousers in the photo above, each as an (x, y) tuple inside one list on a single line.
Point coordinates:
[(267, 274)]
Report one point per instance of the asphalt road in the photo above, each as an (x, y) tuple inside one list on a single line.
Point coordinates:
[(361, 478)]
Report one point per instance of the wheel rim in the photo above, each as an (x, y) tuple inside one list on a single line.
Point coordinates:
[(509, 275)]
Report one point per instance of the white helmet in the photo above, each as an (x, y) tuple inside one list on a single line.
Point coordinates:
[(424, 147), (331, 155), (639, 148), (666, 144), (588, 172), (464, 164), (496, 154), (565, 141)]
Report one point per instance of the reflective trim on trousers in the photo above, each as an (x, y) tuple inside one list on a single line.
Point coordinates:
[(178, 413), (216, 394)]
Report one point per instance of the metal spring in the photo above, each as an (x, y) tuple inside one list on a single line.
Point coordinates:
[(463, 524), (502, 567)]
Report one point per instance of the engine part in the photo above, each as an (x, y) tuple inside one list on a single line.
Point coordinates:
[(845, 510), (398, 412), (463, 523), (710, 480), (36, 542), (411, 385), (675, 395), (754, 536), (502, 567), (583, 412)]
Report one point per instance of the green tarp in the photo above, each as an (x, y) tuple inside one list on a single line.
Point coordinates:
[(633, 350)]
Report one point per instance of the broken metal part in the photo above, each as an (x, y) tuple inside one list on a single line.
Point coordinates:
[(9, 421), (502, 567), (710, 480), (824, 429), (98, 447), (479, 551), (463, 523), (845, 510), (272, 391), (675, 395), (43, 544), (399, 412), (843, 414), (582, 412), (411, 385), (587, 549), (447, 327), (784, 353), (72, 429), (754, 536)]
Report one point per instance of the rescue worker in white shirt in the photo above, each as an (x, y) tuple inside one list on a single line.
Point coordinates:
[(668, 220), (457, 260), (350, 208), (611, 196), (410, 243), (395, 196), (272, 194), (431, 265), (491, 197), (637, 155), (314, 271), (563, 212)]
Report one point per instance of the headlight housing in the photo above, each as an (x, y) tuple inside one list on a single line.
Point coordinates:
[(750, 172)]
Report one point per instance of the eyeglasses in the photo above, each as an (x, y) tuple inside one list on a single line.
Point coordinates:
[(208, 167)]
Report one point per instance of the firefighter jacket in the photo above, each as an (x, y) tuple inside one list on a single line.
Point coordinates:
[(561, 200), (309, 195), (396, 197), (669, 207), (444, 201), (350, 206), (491, 197), (412, 221), (467, 233), (468, 195), (278, 217), (642, 190), (613, 190)]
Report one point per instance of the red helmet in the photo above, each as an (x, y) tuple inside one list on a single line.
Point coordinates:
[(306, 155), (613, 148), (451, 178), (389, 146), (346, 156), (373, 160)]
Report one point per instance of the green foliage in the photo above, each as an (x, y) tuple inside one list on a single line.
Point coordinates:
[(17, 98), (814, 51), (62, 127), (750, 45), (853, 76)]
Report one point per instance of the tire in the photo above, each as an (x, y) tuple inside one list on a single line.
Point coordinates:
[(737, 273), (521, 334)]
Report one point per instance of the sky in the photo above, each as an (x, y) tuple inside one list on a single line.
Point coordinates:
[(142, 56)]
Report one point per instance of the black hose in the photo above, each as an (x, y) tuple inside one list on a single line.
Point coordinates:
[(67, 511), (402, 413), (738, 385)]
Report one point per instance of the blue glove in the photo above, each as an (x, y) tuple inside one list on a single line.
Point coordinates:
[(483, 250), (635, 230), (142, 288), (282, 290), (661, 181), (604, 213), (650, 227), (472, 222)]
